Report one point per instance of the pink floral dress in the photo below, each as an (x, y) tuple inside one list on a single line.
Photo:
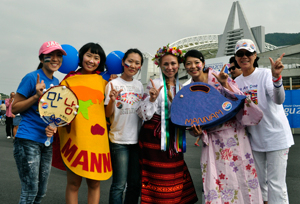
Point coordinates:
[(227, 164)]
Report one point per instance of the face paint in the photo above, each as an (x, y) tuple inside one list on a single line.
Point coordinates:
[(163, 68), (126, 65), (47, 59), (199, 67)]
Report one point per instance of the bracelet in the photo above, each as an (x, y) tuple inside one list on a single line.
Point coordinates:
[(277, 78), (278, 86)]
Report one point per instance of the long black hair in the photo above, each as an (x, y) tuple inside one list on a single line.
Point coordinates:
[(40, 66), (255, 64)]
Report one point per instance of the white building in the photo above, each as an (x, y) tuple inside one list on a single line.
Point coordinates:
[(225, 44)]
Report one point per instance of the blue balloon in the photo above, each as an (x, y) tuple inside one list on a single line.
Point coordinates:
[(105, 75), (70, 61), (114, 62)]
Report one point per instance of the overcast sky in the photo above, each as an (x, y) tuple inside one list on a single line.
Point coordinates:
[(119, 25)]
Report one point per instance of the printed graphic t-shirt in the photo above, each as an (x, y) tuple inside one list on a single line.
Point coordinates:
[(125, 123), (273, 132)]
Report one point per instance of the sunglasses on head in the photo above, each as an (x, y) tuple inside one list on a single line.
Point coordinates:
[(242, 54), (231, 68)]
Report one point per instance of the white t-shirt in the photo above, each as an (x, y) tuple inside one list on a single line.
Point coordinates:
[(273, 132), (125, 123)]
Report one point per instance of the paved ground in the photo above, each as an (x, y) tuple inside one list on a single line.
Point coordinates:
[(10, 184)]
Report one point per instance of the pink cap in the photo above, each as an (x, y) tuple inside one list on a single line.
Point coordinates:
[(50, 46)]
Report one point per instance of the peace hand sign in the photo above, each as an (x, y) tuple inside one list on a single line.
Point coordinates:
[(113, 94), (40, 86), (154, 92), (277, 66), (222, 77)]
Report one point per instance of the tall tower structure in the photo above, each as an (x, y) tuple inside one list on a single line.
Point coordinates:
[(230, 36)]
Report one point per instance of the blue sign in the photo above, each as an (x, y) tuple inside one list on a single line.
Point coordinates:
[(291, 107), (218, 67)]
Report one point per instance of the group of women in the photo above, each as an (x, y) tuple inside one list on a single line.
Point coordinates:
[(237, 166)]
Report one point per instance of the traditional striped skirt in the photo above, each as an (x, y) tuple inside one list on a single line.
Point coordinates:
[(165, 176)]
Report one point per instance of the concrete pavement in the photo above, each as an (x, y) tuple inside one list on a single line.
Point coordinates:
[(10, 183)]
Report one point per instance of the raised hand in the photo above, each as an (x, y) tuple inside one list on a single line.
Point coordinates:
[(112, 76), (222, 77), (277, 66), (154, 92), (113, 94), (40, 86)]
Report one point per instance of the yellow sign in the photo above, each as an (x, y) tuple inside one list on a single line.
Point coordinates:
[(58, 106), (84, 143)]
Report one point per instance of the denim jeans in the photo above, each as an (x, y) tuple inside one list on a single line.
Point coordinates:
[(33, 161), (125, 164)]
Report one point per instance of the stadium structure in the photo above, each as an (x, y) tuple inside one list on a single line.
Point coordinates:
[(218, 48)]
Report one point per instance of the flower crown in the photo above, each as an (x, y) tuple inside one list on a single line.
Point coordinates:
[(168, 50)]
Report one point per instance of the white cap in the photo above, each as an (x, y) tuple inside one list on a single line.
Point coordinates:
[(245, 44)]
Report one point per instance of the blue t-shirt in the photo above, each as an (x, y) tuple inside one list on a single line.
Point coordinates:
[(32, 127)]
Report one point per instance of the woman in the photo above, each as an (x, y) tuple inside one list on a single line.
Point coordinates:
[(228, 170), (272, 137), (84, 143), (123, 96), (165, 177), (32, 157)]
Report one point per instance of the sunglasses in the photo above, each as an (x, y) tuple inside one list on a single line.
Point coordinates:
[(231, 68), (242, 54)]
